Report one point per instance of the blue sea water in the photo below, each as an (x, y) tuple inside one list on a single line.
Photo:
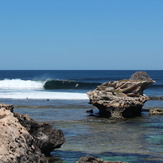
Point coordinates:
[(63, 103), (30, 84)]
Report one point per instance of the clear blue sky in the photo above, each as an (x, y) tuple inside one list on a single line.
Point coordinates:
[(81, 34)]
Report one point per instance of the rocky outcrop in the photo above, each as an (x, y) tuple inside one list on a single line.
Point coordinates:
[(156, 111), (46, 137), (7, 107), (18, 142), (91, 159), (121, 99)]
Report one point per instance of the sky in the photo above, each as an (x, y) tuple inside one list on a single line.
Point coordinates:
[(81, 34)]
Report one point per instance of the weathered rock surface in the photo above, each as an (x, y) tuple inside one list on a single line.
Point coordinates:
[(121, 99), (46, 137), (91, 159), (156, 111), (18, 142), (7, 107)]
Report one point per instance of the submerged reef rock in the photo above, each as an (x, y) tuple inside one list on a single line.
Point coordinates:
[(91, 159), (23, 140), (121, 99), (156, 111)]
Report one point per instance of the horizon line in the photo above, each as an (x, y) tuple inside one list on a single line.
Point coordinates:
[(81, 70)]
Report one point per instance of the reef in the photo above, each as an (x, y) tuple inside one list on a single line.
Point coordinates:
[(156, 111), (91, 159)]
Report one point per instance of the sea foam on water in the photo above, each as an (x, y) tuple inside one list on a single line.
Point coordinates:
[(43, 95), (20, 84)]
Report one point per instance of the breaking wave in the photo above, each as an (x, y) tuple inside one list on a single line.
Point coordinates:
[(69, 84), (20, 84), (48, 84), (53, 84)]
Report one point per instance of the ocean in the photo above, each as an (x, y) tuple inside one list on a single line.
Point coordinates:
[(59, 98)]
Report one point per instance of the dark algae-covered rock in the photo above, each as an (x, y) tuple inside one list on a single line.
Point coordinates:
[(46, 137), (121, 99), (156, 111), (91, 159), (23, 140)]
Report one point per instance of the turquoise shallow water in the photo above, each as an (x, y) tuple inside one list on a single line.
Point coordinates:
[(133, 140)]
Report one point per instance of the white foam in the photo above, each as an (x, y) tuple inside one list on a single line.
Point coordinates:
[(43, 95), (20, 84), (23, 89)]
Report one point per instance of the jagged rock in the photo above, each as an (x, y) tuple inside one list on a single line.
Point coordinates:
[(121, 99), (156, 111), (141, 75), (16, 144), (91, 159), (7, 106), (46, 137), (23, 140)]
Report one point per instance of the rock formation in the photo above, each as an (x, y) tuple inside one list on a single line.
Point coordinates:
[(121, 99), (156, 111), (91, 159), (23, 140), (46, 137)]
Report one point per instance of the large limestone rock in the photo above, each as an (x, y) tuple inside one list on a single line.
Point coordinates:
[(18, 142), (121, 99)]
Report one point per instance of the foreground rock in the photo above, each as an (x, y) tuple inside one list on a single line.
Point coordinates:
[(23, 140), (156, 111), (91, 159), (121, 99), (46, 137)]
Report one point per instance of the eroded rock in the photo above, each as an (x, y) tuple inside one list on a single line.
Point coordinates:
[(91, 159), (16, 144), (156, 111), (46, 137), (121, 99), (23, 140)]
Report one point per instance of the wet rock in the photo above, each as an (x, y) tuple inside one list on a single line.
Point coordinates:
[(91, 159), (23, 140), (46, 137), (156, 111), (121, 99)]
